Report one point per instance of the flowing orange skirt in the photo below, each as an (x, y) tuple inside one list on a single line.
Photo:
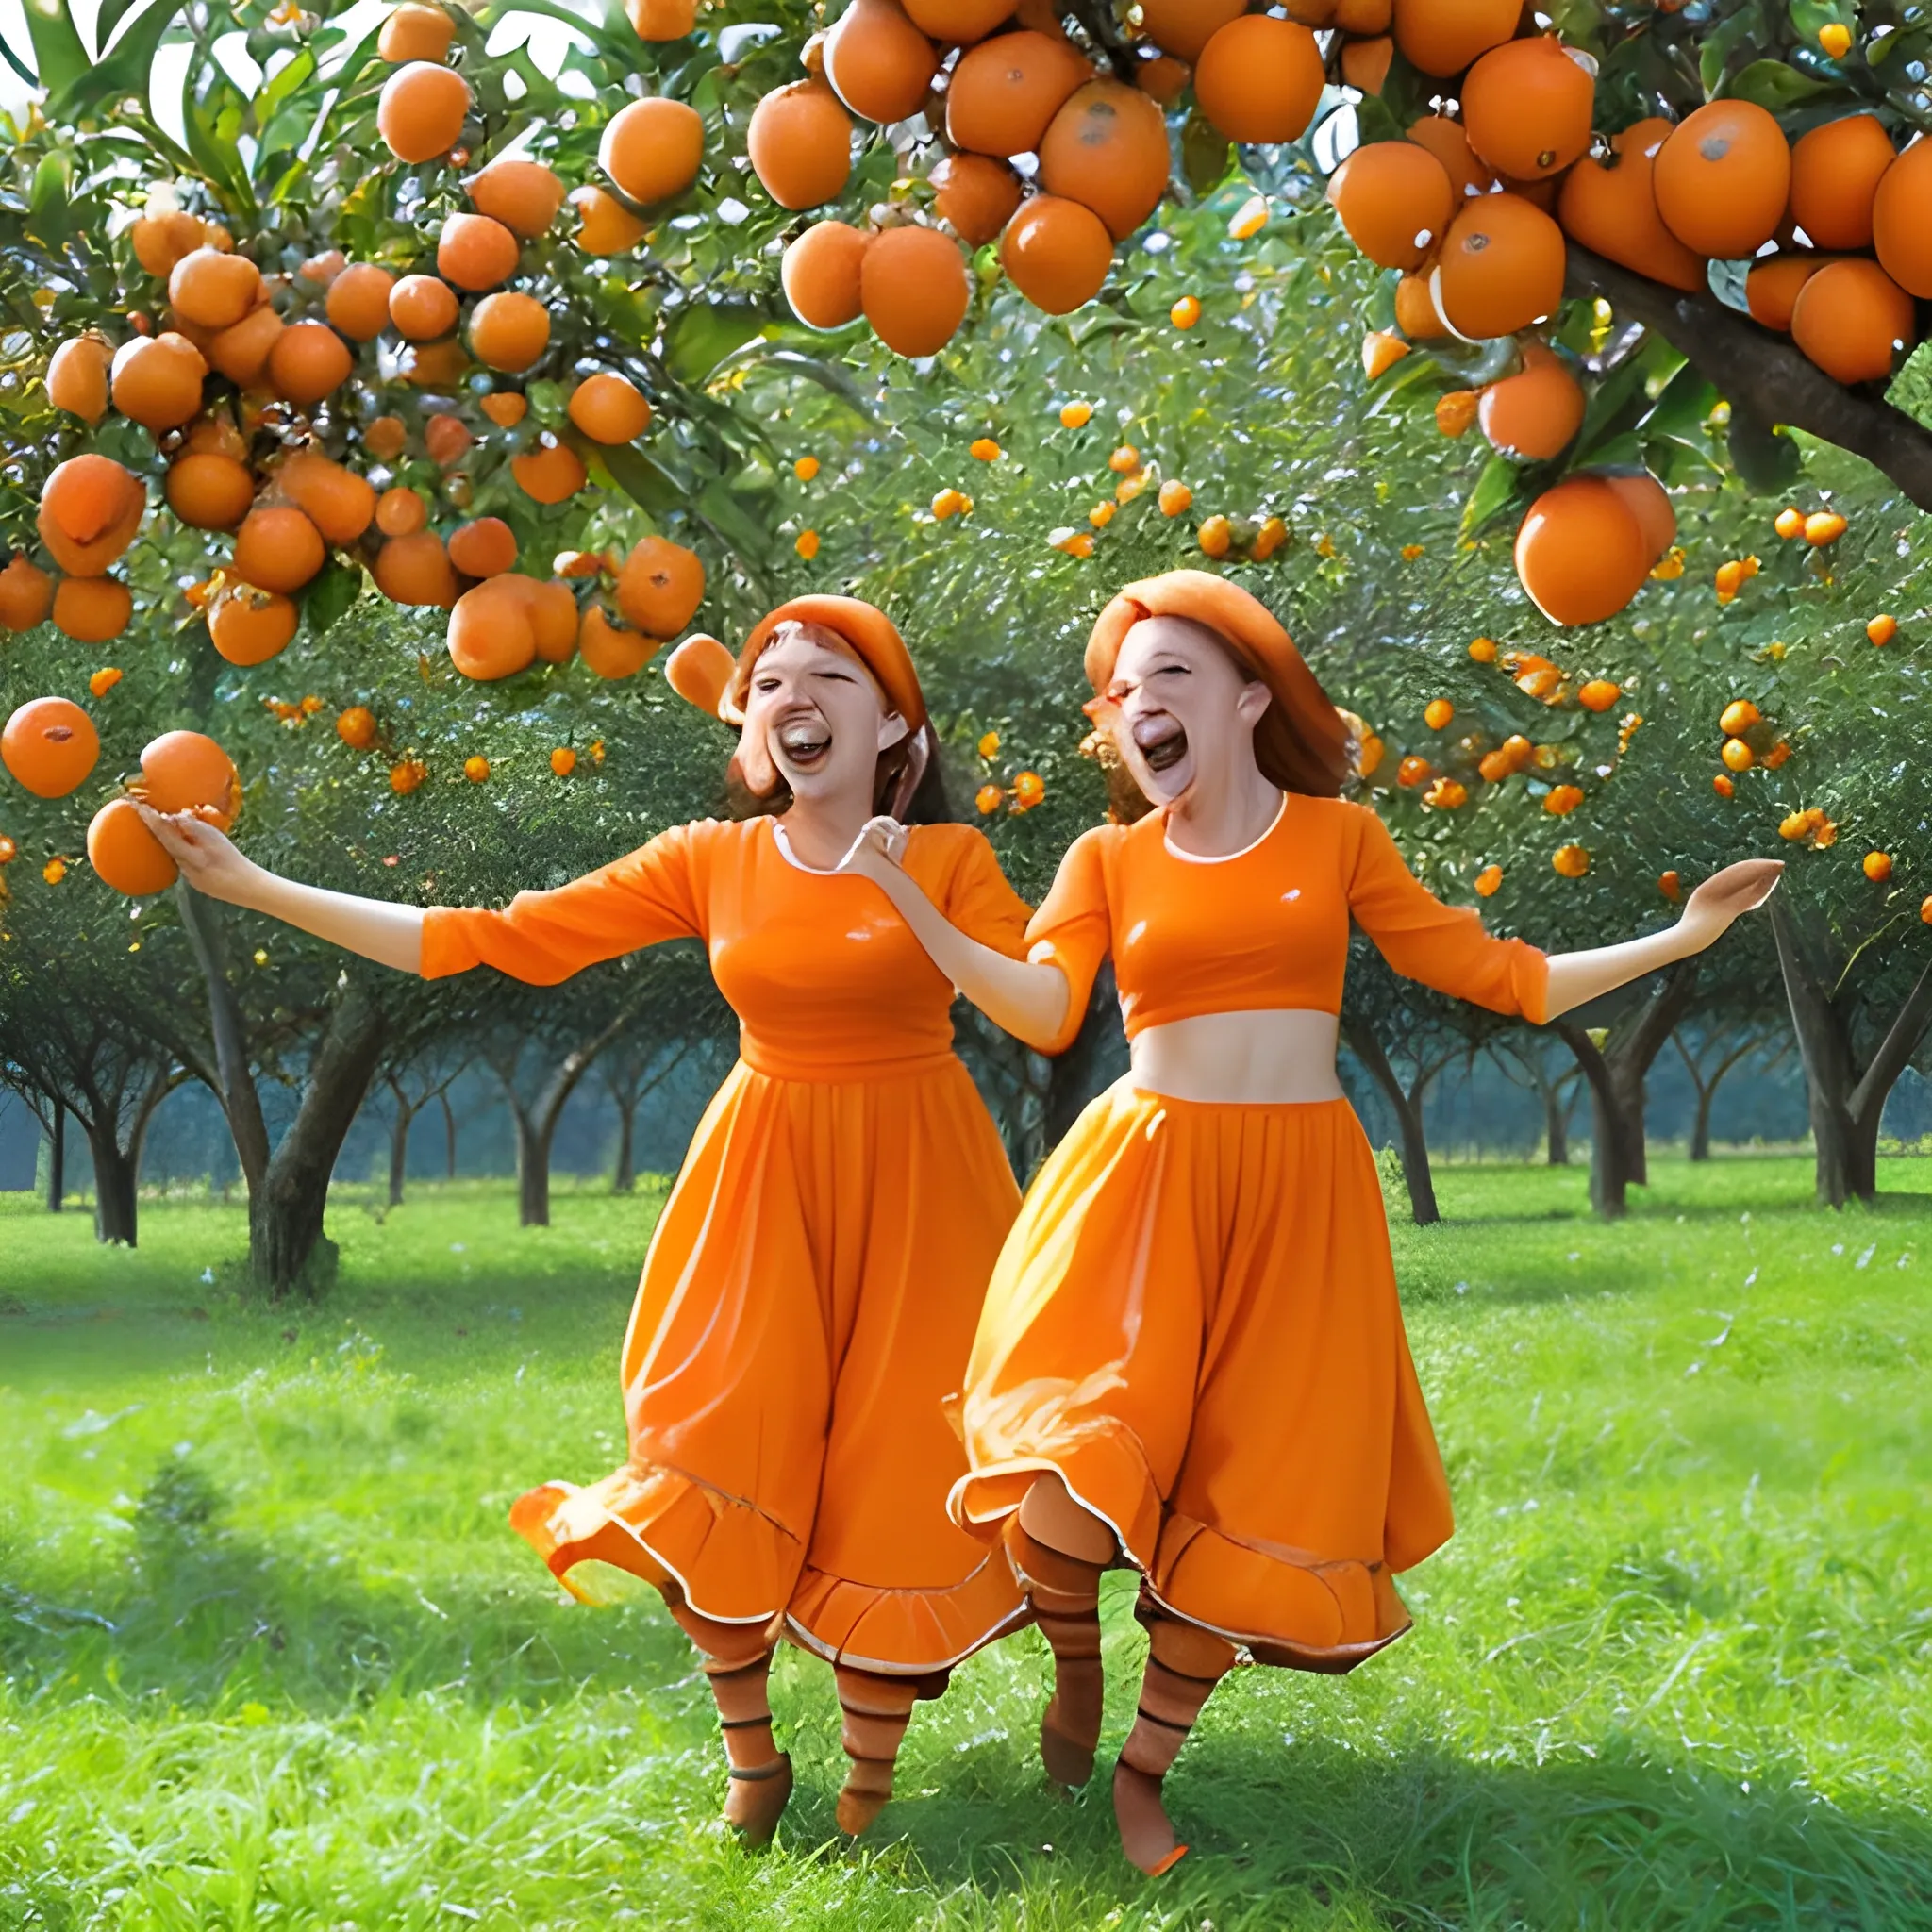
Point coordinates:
[(807, 1306), (1194, 1321)]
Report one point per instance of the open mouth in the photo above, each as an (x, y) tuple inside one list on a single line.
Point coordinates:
[(805, 742), (1161, 741)]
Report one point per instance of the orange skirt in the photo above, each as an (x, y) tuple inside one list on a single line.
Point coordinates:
[(1194, 1323), (807, 1306)]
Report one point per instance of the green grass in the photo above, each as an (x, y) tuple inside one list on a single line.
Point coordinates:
[(271, 1657)]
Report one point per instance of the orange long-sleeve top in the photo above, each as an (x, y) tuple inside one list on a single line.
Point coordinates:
[(1266, 928), (827, 981)]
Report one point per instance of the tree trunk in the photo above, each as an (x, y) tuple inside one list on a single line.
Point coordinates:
[(241, 1104), (57, 1160), (1610, 1176), (534, 1132), (398, 1153), (1408, 1126), (1700, 1125), (1556, 1124), (286, 1249), (114, 1187), (624, 1178), (1634, 1046), (449, 1138)]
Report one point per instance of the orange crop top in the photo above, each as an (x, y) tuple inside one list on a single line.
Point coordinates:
[(1266, 928), (826, 980)]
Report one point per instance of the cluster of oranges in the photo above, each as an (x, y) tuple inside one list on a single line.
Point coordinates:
[(1749, 739), (1024, 791), (1474, 209)]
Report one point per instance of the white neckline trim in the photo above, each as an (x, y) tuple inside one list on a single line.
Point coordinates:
[(792, 859), (1222, 857)]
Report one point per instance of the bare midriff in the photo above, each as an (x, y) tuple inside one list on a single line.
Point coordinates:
[(1269, 1058)]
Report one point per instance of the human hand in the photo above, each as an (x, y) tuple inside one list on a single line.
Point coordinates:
[(878, 852), (1727, 895), (209, 859)]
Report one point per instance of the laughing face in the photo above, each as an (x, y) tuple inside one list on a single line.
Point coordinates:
[(815, 718), (1179, 706)]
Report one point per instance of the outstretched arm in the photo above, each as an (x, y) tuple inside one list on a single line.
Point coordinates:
[(1025, 1000), (1578, 977), (390, 935)]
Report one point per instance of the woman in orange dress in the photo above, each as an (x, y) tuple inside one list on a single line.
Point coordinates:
[(1192, 1356), (810, 1290)]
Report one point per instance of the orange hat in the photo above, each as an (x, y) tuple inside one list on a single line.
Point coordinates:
[(1302, 741), (702, 671)]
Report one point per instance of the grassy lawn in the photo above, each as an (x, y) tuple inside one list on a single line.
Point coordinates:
[(270, 1657)]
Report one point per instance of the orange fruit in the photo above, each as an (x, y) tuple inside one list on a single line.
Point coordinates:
[(415, 569), (879, 64), (1183, 27), (420, 110), (1056, 253), (1502, 267), (913, 289), (821, 274), (661, 20), (1570, 861), (213, 290), (358, 301), (1612, 210), (1854, 320), (1835, 174), (976, 195), (385, 437), (1455, 411), (308, 362), (1881, 631), (1598, 694), (490, 630), (50, 746), (247, 625), (1258, 79), (27, 594), (504, 408), (476, 252), (209, 492), (90, 509), (1161, 79), (661, 587), (1445, 139), (509, 331), (485, 548), (421, 308), (1647, 500), (550, 473), (160, 241), (1877, 867), (213, 436), (1106, 148), (277, 549), (242, 353), (553, 618), (400, 512), (1415, 311), (957, 21), (524, 195), (126, 856), (1773, 287), (1535, 415), (339, 503), (1722, 179), (438, 365), (1580, 552), (609, 408), (91, 611), (1004, 92), (800, 143), (1443, 37), (1902, 220), (1395, 199), (609, 650), (1527, 108), (415, 33), (605, 226), (1823, 526), (187, 771), (1365, 63), (157, 380), (1361, 18), (1215, 537), (78, 378), (652, 149), (448, 440)]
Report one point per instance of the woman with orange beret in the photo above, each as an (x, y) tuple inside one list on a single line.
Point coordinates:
[(1191, 1357), (811, 1291)]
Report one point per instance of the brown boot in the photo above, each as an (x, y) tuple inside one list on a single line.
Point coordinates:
[(877, 1711), (1184, 1664), (738, 1664), (1063, 1593)]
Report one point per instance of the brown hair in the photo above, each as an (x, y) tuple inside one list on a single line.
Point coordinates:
[(1288, 756)]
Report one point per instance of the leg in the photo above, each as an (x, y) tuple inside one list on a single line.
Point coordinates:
[(738, 1660), (1058, 1550), (1184, 1664), (876, 1712)]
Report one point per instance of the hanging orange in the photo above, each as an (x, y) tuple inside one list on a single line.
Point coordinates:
[(1004, 93), (420, 110), (912, 285), (1854, 320), (1902, 220), (1502, 267), (976, 195), (1395, 199), (1580, 552), (820, 275), (879, 64), (1535, 415), (1106, 148), (1056, 253), (1722, 180), (653, 149), (1258, 79), (1612, 210), (1527, 108), (800, 144)]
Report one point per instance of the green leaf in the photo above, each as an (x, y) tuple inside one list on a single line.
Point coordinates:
[(705, 334), (60, 53), (49, 216), (830, 376), (329, 596), (1682, 409), (1719, 45), (1205, 154), (1609, 405), (1911, 388), (125, 70), (1496, 490), (1776, 86), (645, 480), (1766, 462)]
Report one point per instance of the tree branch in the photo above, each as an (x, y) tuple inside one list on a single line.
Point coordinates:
[(1762, 372), (1900, 1044)]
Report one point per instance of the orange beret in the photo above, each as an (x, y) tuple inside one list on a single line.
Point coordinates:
[(703, 671), (1302, 740)]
